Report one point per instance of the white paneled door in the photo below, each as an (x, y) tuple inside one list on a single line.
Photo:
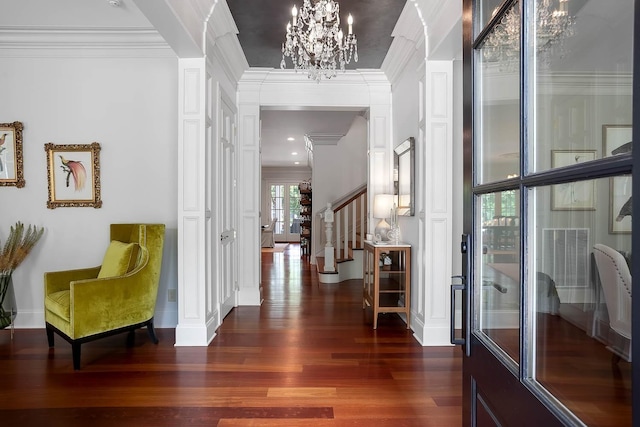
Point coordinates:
[(227, 208)]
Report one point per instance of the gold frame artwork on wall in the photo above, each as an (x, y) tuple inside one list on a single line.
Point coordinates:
[(11, 163), (617, 140), (74, 175), (573, 196)]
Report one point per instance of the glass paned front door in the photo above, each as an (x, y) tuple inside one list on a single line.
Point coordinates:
[(548, 111)]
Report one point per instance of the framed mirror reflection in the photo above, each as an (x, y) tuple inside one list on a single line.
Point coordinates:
[(403, 177)]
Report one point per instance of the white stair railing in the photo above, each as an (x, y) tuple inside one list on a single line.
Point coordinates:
[(347, 227)]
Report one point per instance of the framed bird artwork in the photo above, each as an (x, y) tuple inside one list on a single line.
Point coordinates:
[(74, 175), (618, 140), (11, 167)]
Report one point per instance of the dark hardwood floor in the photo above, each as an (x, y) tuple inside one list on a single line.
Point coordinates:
[(307, 357)]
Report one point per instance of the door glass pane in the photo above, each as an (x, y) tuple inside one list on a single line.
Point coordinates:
[(277, 207), (581, 60), (294, 209), (498, 101), (581, 293), (485, 11), (499, 270)]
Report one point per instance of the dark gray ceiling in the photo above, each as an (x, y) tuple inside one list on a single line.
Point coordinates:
[(262, 26)]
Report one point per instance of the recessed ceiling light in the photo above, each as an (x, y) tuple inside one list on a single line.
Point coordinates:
[(291, 138), (295, 153), (296, 163)]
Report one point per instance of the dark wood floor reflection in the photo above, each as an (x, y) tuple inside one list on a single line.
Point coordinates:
[(307, 357)]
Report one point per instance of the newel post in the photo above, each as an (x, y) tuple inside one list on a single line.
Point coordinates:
[(329, 255)]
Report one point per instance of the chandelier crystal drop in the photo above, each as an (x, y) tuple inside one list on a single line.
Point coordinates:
[(315, 42), (553, 27)]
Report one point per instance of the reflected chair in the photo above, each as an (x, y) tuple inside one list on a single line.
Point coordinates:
[(118, 296), (267, 235), (615, 278), (547, 299)]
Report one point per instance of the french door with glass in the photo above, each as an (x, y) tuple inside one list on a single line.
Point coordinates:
[(549, 170), (284, 205)]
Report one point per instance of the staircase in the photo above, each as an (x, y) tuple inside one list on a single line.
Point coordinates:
[(342, 230)]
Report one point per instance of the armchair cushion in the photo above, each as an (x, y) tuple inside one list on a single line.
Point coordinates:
[(59, 303), (119, 259)]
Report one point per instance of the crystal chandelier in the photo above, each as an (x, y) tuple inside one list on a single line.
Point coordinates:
[(316, 43), (553, 27)]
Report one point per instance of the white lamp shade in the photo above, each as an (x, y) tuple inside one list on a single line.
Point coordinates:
[(382, 205)]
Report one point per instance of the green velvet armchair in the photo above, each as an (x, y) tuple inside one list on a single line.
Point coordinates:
[(118, 296)]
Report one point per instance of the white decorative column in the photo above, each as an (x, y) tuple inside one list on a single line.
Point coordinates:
[(249, 180), (436, 218), (192, 321)]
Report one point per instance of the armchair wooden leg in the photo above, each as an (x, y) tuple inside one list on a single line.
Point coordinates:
[(131, 338), (50, 336), (75, 350), (152, 332)]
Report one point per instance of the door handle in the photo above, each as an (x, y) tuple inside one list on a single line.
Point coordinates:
[(465, 288), (456, 287)]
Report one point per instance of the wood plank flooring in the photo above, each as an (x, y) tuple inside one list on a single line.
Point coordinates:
[(307, 357)]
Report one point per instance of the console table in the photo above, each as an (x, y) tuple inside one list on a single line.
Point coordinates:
[(387, 285)]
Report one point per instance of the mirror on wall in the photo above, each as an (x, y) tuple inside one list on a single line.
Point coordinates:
[(403, 177)]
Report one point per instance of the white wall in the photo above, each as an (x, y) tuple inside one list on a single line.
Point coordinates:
[(128, 105)]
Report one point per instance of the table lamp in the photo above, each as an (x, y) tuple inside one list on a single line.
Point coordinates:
[(382, 206)]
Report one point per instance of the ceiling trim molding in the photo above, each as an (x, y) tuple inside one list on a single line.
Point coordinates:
[(230, 56), (349, 77), (221, 40), (324, 138), (408, 36), (284, 89), (92, 38), (400, 53)]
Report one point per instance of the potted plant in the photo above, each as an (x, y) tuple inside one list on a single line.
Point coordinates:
[(14, 251)]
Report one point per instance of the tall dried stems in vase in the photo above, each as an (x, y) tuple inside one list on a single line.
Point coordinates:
[(15, 250)]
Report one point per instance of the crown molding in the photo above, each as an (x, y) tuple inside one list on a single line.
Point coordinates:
[(324, 138), (408, 36), (221, 40), (96, 39)]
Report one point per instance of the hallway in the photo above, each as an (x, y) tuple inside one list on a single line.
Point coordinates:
[(307, 357)]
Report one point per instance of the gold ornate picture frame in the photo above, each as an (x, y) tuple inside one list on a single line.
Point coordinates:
[(11, 166), (74, 175)]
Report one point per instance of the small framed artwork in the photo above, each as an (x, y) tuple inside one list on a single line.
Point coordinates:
[(616, 139), (620, 205), (74, 175), (573, 196), (11, 167)]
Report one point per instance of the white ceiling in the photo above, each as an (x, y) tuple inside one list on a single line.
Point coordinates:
[(277, 126)]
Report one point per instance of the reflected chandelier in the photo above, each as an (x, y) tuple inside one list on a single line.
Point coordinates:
[(316, 43), (553, 27)]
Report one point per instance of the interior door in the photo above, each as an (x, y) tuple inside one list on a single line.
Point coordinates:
[(549, 126), (285, 206), (227, 207)]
